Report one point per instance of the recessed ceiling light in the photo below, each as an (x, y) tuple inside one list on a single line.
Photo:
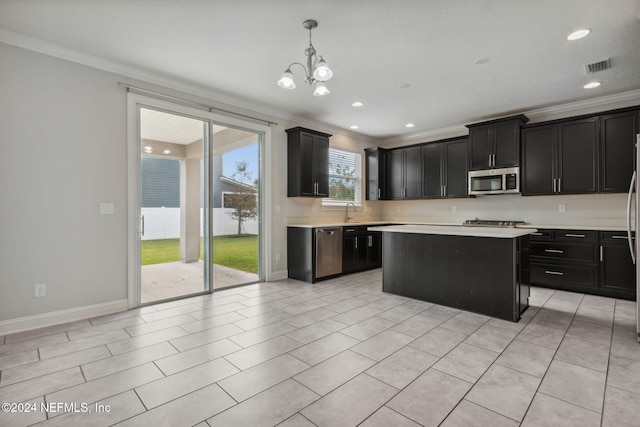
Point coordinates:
[(166, 152), (353, 127), (578, 34), (148, 149), (357, 104), (591, 85), (482, 61), (405, 86), (409, 125)]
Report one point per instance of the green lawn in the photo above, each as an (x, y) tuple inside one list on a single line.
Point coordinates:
[(236, 252)]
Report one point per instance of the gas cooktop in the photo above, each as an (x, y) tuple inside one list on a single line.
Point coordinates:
[(491, 223)]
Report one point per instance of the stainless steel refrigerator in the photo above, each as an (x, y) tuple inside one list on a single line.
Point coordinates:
[(633, 208)]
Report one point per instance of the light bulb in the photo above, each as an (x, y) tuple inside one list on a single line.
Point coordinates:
[(321, 89), (322, 72), (286, 81)]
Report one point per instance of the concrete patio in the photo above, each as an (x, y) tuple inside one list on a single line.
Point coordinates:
[(174, 279)]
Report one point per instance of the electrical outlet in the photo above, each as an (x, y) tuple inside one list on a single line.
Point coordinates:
[(562, 208), (40, 290), (106, 208), (454, 208), (277, 257), (398, 209)]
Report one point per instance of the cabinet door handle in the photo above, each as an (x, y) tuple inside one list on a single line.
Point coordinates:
[(489, 160), (378, 193), (555, 273), (559, 185), (554, 251), (574, 235), (494, 160), (601, 253), (370, 240), (554, 185), (355, 243)]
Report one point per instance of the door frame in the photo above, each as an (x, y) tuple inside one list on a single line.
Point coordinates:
[(134, 103)]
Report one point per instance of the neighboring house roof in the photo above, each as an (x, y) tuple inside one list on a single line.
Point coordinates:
[(241, 186)]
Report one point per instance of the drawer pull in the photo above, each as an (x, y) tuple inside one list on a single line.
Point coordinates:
[(554, 251), (619, 237), (536, 234), (574, 235), (555, 273)]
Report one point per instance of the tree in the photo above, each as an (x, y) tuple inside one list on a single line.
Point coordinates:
[(244, 200)]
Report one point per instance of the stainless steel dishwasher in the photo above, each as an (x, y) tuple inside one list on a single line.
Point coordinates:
[(328, 251)]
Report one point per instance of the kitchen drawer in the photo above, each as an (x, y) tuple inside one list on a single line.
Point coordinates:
[(615, 237), (351, 229), (576, 235), (554, 275), (541, 235), (565, 252)]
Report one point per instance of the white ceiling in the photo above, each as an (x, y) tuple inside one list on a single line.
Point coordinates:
[(237, 50)]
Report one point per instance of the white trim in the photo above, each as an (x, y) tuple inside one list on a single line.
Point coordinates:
[(62, 316)]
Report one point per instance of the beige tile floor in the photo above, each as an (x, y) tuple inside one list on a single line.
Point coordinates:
[(335, 353)]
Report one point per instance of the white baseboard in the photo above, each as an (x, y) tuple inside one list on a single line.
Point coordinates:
[(62, 316)]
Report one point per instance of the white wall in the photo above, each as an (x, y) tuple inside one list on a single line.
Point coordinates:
[(63, 136)]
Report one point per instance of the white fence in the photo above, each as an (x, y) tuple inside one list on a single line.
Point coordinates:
[(164, 223)]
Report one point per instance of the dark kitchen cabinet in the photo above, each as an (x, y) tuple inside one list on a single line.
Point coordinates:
[(308, 163), (404, 173), (560, 158), (617, 270), (586, 261), (375, 171), (617, 150), (444, 169), (538, 160), (578, 157), (361, 249), (495, 144)]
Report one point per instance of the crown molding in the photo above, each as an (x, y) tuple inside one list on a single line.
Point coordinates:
[(592, 105)]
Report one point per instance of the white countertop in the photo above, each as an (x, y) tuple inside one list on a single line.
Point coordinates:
[(595, 227), (339, 224), (459, 230)]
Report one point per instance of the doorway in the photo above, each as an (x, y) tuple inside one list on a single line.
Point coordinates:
[(199, 205)]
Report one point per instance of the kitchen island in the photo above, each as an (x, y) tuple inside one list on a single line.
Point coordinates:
[(479, 269)]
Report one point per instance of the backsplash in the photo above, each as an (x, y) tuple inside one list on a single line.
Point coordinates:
[(594, 210)]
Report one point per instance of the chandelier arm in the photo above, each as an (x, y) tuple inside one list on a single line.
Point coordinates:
[(307, 73)]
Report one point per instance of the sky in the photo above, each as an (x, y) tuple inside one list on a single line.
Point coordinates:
[(248, 154)]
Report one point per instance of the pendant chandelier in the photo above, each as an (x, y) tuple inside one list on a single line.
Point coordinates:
[(316, 71)]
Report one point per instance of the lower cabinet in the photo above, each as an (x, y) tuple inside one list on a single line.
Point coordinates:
[(585, 261), (361, 249)]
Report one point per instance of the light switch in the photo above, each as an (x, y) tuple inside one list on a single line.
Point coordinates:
[(562, 208), (106, 208)]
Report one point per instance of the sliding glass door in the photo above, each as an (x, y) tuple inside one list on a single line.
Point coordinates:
[(172, 195), (198, 224)]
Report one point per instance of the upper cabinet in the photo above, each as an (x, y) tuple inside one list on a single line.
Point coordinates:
[(580, 156), (404, 173), (617, 150), (308, 163), (375, 164), (444, 169), (495, 144)]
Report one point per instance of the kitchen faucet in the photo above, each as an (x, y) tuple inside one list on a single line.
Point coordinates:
[(346, 213)]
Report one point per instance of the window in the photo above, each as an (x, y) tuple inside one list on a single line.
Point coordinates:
[(344, 177)]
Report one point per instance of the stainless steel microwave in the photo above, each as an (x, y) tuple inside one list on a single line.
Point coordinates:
[(494, 181)]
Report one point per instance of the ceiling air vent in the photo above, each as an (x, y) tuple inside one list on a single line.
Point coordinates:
[(594, 67)]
